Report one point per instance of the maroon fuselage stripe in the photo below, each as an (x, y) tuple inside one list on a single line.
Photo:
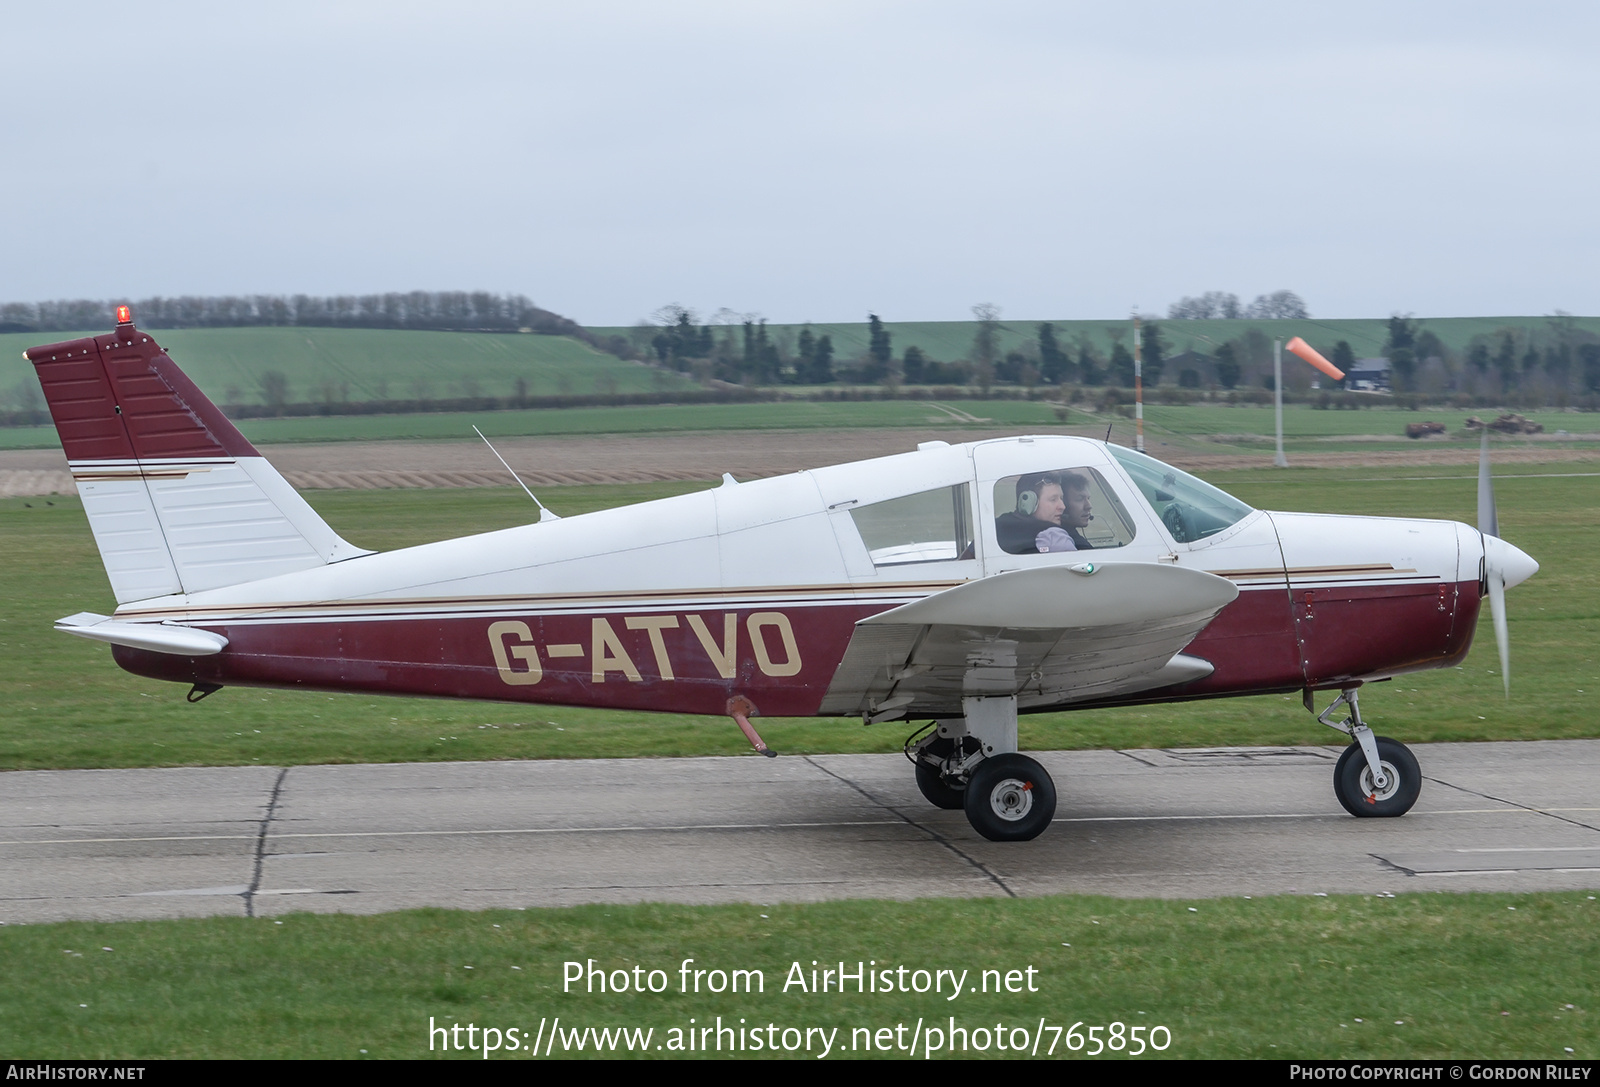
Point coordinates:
[(1266, 640)]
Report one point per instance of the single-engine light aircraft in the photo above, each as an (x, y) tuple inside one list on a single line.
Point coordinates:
[(959, 585)]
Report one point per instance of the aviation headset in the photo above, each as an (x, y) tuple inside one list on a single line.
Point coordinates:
[(1028, 488)]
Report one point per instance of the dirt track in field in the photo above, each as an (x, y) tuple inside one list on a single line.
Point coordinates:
[(658, 457)]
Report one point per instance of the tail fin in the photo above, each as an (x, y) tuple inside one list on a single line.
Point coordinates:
[(178, 500)]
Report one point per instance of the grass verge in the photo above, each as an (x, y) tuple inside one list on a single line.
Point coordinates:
[(1418, 976)]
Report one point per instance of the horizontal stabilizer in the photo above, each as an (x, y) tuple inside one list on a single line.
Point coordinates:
[(156, 637)]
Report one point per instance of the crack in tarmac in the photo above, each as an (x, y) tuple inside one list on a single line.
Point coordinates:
[(251, 891), (929, 831)]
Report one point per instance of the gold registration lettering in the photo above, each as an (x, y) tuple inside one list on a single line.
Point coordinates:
[(655, 624), (791, 652), (608, 654), (722, 656), (524, 651)]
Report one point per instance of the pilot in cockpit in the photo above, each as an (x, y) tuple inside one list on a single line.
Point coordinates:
[(1051, 511), (1077, 512)]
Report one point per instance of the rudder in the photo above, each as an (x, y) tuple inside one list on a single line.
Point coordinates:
[(178, 500)]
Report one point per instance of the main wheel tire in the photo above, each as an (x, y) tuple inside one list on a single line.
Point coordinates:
[(1352, 781), (931, 783), (1010, 798), (940, 793)]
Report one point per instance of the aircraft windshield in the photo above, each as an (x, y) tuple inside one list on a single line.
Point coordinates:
[(1192, 509)]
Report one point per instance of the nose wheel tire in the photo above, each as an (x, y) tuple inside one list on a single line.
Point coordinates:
[(1010, 798), (1353, 783)]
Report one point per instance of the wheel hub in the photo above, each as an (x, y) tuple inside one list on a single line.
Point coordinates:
[(1391, 783), (1011, 799)]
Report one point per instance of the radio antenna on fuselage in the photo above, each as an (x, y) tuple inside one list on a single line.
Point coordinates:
[(544, 512)]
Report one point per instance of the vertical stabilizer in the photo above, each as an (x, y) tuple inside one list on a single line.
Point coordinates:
[(178, 500)]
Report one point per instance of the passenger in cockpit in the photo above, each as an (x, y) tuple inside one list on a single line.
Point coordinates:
[(1052, 510), (1040, 505), (1077, 512)]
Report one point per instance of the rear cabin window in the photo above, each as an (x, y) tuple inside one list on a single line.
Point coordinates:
[(930, 526), (1059, 510)]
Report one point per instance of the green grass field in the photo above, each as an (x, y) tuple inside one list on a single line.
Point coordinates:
[(375, 364), (1214, 428), (359, 365), (1301, 422), (637, 419), (69, 706), (1435, 976)]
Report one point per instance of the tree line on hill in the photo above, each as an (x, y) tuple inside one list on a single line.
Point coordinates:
[(1277, 306), (747, 352), (1551, 365), (1522, 365), (1536, 366), (436, 311)]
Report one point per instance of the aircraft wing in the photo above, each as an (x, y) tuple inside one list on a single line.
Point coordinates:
[(1050, 635)]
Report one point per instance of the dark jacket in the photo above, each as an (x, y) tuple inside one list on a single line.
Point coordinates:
[(1017, 532)]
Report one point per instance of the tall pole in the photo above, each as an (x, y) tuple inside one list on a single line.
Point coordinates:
[(1278, 460), (1138, 387)]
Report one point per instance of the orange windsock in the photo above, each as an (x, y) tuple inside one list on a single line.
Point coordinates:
[(1310, 354)]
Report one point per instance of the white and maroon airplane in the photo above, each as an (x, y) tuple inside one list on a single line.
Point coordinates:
[(961, 585)]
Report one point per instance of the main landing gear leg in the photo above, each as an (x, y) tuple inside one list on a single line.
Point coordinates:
[(972, 763), (1375, 776)]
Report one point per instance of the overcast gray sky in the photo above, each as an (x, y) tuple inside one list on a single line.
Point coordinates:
[(809, 160)]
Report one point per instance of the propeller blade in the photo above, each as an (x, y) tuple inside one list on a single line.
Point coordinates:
[(1488, 522), (1502, 563), (1497, 611)]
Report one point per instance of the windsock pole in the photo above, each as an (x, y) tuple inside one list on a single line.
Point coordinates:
[(1278, 460), (1138, 387)]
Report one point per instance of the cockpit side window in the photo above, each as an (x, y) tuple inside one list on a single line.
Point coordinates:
[(1192, 509), (930, 526), (1052, 511)]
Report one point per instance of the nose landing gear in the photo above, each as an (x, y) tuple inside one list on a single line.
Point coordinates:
[(1375, 777)]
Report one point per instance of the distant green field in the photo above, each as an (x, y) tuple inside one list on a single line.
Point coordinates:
[(1220, 428), (67, 704), (632, 419), (1301, 421), (333, 364), (359, 365), (1415, 976), (1210, 427)]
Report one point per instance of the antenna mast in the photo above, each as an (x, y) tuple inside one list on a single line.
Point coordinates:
[(544, 514)]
